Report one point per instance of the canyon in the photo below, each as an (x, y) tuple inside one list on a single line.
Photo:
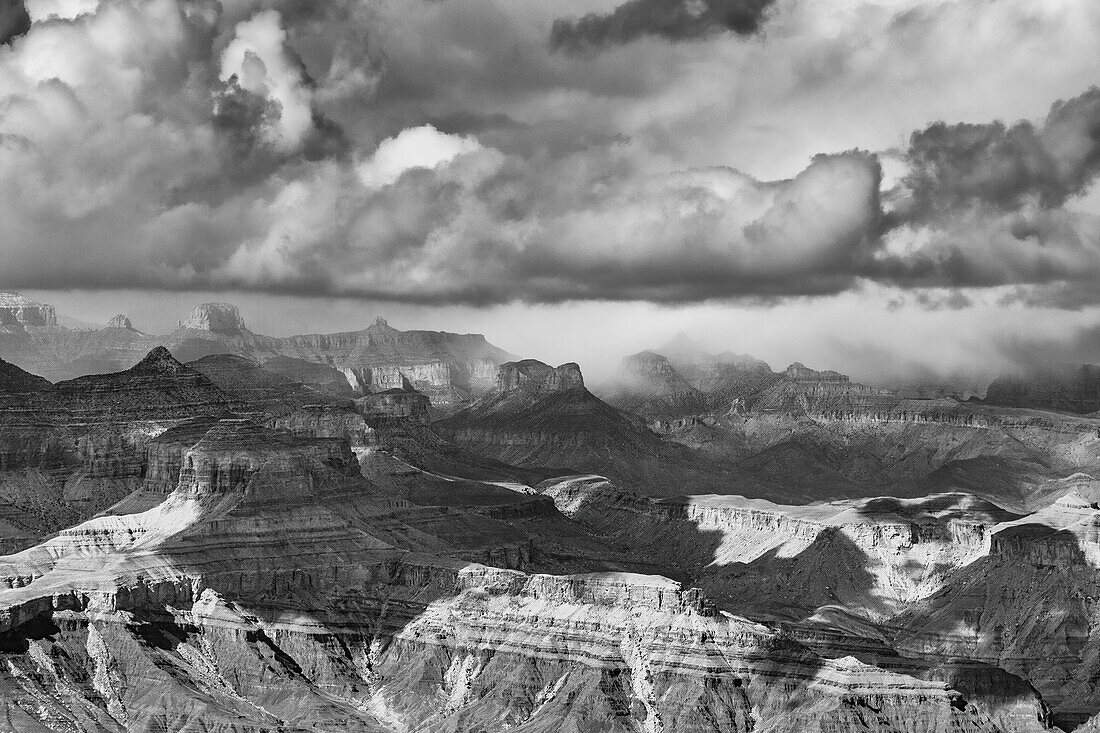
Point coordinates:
[(248, 540)]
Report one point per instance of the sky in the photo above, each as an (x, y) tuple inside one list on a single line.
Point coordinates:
[(900, 189)]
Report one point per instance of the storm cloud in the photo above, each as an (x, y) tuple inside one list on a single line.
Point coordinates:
[(14, 20), (673, 20), (398, 154)]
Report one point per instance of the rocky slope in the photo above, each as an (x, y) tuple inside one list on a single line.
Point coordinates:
[(1028, 606), (272, 589), (71, 449), (542, 417)]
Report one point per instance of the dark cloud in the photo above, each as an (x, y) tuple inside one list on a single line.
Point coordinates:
[(14, 20), (235, 155), (673, 20), (961, 165), (987, 205)]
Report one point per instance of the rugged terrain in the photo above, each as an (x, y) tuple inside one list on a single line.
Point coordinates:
[(244, 543), (256, 580)]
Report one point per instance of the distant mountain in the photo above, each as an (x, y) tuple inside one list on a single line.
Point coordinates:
[(327, 379), (681, 378), (254, 388), (801, 390), (1062, 387), (450, 368), (647, 384)]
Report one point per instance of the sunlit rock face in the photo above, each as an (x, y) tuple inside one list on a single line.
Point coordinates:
[(768, 560), (938, 578), (17, 310), (272, 589)]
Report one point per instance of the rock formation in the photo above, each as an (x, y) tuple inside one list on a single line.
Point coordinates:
[(531, 375), (223, 318), (647, 384), (71, 449), (17, 310), (802, 390), (401, 404), (120, 321)]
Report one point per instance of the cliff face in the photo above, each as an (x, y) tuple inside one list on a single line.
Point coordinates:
[(399, 404), (543, 418), (535, 377), (16, 310), (806, 391), (216, 318), (773, 561), (1066, 387)]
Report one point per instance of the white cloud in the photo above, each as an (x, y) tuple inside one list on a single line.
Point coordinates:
[(258, 57), (416, 147)]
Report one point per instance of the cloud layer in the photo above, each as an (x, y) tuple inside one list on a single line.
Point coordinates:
[(674, 20), (444, 153)]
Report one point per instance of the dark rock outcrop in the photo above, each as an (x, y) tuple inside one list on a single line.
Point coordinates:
[(531, 375), (398, 404)]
